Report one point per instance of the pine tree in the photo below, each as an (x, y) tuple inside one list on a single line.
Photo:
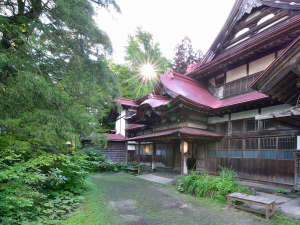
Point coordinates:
[(185, 56)]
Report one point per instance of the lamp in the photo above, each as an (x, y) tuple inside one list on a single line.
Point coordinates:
[(185, 147), (147, 149)]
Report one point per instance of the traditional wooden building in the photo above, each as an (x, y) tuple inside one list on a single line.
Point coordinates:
[(236, 108)]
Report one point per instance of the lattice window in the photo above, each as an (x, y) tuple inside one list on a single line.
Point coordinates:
[(236, 144), (268, 143), (268, 124), (251, 125), (287, 142), (252, 143), (237, 126)]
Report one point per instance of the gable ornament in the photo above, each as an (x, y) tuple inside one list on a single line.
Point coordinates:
[(248, 5)]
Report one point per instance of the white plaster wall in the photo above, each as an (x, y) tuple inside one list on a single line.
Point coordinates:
[(261, 64), (130, 147), (236, 73), (121, 123)]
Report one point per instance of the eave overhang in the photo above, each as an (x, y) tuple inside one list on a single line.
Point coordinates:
[(247, 46), (178, 133)]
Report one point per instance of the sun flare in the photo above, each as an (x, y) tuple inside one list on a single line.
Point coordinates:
[(148, 71)]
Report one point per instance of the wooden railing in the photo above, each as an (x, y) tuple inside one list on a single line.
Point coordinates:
[(240, 86)]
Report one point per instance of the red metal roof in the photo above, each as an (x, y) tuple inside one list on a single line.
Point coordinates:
[(156, 101), (126, 102), (116, 137), (198, 93), (184, 130), (189, 88), (135, 126), (252, 96)]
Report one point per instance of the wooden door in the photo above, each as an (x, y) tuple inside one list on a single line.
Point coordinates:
[(297, 170), (200, 151)]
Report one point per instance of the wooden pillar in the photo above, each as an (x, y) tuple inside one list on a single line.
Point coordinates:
[(182, 157), (153, 156), (139, 157)]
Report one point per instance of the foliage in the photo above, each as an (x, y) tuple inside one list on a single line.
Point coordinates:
[(55, 83), (283, 220), (204, 185), (142, 49), (55, 87), (281, 191), (185, 56), (126, 80), (95, 161), (34, 182)]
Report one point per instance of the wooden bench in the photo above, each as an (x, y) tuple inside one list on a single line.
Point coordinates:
[(134, 170), (255, 200)]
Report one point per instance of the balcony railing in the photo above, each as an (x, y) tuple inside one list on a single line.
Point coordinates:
[(240, 86)]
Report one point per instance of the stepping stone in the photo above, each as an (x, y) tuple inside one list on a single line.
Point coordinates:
[(157, 179)]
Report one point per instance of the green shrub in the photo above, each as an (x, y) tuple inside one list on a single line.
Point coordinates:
[(37, 184), (204, 185), (95, 161), (41, 185)]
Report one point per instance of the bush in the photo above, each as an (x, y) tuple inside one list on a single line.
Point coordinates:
[(95, 161), (213, 187), (43, 185), (37, 184)]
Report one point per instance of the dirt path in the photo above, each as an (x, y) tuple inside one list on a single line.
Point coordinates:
[(138, 202)]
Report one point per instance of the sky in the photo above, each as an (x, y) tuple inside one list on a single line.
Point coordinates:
[(169, 21)]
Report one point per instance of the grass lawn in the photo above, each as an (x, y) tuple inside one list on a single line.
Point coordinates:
[(122, 199), (95, 209)]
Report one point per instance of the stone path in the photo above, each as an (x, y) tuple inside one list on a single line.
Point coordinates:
[(137, 202), (157, 179), (286, 205)]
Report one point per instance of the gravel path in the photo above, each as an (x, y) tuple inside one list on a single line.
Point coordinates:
[(139, 202)]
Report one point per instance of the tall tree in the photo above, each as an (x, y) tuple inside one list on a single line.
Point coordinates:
[(143, 50), (55, 83), (185, 55), (125, 77)]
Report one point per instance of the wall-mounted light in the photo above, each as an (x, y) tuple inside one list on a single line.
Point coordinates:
[(147, 149), (185, 147)]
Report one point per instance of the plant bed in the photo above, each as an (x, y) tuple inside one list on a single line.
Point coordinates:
[(204, 185)]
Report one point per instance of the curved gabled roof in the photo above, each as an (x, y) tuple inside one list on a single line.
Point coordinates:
[(189, 88), (155, 101), (184, 131), (196, 92), (127, 102)]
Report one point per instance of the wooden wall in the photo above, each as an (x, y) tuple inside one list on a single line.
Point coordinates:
[(276, 171), (115, 151)]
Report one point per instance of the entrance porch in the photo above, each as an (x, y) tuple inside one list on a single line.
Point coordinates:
[(178, 149)]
